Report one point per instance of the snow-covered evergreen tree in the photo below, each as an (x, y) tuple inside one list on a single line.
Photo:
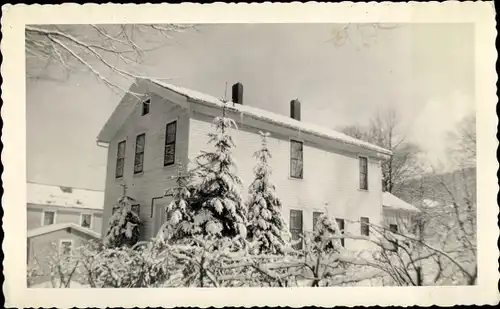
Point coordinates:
[(216, 207), (265, 221), (124, 224), (177, 212)]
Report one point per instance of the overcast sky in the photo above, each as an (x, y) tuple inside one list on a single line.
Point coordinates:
[(425, 71)]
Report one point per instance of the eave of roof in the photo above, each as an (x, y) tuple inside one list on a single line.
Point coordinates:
[(393, 202), (270, 117), (57, 227)]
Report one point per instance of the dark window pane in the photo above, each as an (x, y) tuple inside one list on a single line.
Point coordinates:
[(170, 138), (393, 228), (145, 107), (169, 154), (296, 150), (138, 166), (341, 224), (48, 218), (296, 159), (296, 219), (296, 167), (296, 226), (363, 173), (141, 139), (120, 159), (121, 149), (362, 183), (365, 228), (66, 247), (171, 131), (86, 220), (119, 167), (296, 235), (137, 209), (139, 153)]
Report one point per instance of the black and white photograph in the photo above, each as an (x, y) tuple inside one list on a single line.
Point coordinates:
[(252, 155)]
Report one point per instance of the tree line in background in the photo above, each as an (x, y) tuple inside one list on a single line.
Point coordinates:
[(447, 200), (214, 238)]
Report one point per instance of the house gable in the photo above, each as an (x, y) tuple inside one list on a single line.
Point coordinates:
[(165, 107), (138, 92)]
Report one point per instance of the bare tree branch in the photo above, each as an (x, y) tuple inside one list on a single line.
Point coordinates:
[(92, 48), (383, 131), (359, 35)]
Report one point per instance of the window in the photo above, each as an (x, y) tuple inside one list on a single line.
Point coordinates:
[(49, 217), (363, 173), (170, 137), (86, 220), (365, 226), (140, 142), (341, 224), (316, 216), (416, 226), (296, 227), (394, 228), (296, 159), (65, 247), (120, 159), (145, 107), (137, 209)]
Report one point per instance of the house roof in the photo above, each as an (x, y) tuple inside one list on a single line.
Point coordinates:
[(61, 226), (391, 201), (42, 194), (202, 98)]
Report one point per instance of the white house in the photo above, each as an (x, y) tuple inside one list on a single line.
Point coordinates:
[(59, 219), (315, 169), (52, 204)]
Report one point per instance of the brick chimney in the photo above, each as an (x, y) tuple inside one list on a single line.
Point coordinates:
[(295, 109), (238, 93)]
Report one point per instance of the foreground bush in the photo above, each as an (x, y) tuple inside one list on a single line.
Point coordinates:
[(205, 262)]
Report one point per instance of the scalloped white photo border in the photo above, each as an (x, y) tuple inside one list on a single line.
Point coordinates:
[(13, 112)]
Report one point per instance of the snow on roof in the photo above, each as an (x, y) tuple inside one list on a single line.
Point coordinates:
[(391, 201), (52, 195), (57, 227), (273, 118)]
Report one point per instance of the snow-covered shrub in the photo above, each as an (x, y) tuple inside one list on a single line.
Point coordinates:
[(124, 225), (327, 234), (399, 257), (63, 267), (144, 265), (216, 207), (215, 262), (34, 271), (325, 261), (177, 212), (265, 220)]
